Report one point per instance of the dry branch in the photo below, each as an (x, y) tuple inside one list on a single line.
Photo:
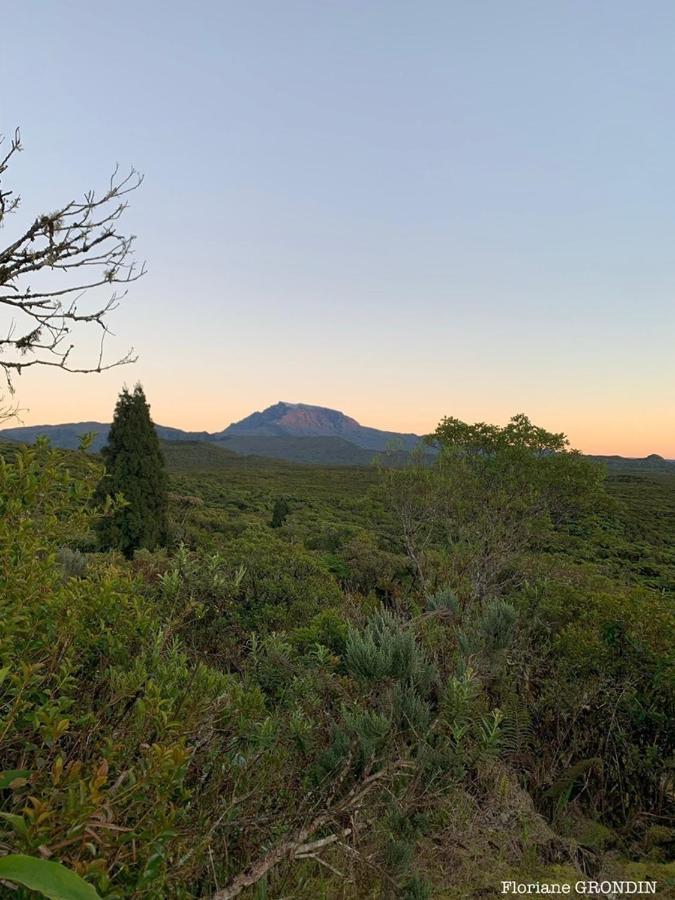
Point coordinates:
[(298, 845), (80, 235)]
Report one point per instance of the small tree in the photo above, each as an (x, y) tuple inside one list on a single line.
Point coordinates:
[(491, 495), (279, 513), (135, 470)]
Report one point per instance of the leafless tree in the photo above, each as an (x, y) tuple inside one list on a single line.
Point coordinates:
[(416, 497), (80, 247)]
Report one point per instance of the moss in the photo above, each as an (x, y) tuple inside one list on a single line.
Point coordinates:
[(663, 873), (594, 835), (659, 836)]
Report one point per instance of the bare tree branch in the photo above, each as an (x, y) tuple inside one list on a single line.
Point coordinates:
[(80, 234), (297, 845)]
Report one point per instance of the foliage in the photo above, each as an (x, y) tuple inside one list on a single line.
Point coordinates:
[(134, 471), (279, 513), (518, 436), (303, 711), (491, 495), (603, 682), (386, 649), (73, 562), (47, 878)]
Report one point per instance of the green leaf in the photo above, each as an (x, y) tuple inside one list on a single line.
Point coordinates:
[(10, 775), (18, 823), (572, 775), (50, 879)]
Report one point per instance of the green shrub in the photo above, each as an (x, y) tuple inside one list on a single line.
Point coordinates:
[(72, 562), (385, 648)]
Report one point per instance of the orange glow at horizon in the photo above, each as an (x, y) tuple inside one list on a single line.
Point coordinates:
[(636, 431), (484, 230)]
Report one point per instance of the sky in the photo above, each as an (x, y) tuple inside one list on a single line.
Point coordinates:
[(402, 209)]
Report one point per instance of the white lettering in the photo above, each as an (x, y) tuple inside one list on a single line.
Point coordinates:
[(606, 888)]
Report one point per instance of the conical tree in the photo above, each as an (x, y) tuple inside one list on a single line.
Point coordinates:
[(134, 469)]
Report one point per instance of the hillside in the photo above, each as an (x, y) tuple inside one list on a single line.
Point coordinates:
[(639, 545), (198, 456), (330, 451)]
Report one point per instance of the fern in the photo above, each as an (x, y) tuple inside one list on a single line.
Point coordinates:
[(490, 735), (517, 729), (459, 699)]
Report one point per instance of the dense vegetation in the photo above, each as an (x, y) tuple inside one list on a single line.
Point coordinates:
[(419, 682)]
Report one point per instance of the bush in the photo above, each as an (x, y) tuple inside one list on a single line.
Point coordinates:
[(386, 649), (72, 562)]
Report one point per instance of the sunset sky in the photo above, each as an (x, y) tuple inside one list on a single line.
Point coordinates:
[(402, 210)]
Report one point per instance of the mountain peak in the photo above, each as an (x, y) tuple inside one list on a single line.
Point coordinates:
[(298, 420), (295, 419)]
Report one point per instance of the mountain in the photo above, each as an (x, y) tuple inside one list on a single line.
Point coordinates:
[(293, 431), (302, 420), (67, 436)]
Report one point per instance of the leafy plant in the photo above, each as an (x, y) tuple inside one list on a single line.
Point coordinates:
[(50, 879)]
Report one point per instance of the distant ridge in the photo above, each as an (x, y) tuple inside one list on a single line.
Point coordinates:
[(297, 432), (69, 435), (652, 463)]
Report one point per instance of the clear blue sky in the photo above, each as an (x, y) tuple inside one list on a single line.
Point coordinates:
[(400, 209)]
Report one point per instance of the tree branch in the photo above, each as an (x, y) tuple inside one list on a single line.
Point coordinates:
[(80, 233), (298, 846)]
